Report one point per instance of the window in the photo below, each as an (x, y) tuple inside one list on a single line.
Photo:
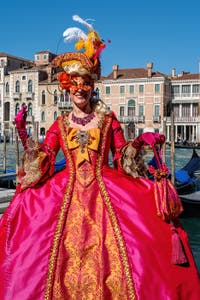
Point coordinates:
[(62, 98), (141, 88), (30, 109), (23, 77), (7, 87), (186, 89), (157, 110), (30, 86), (121, 111), (186, 110), (42, 131), (175, 89), (141, 110), (7, 111), (195, 89), (45, 57), (131, 89), (131, 107), (195, 109), (140, 131), (122, 89), (107, 90), (43, 116), (43, 98), (55, 97), (157, 88), (55, 115), (17, 86), (176, 110), (97, 91)]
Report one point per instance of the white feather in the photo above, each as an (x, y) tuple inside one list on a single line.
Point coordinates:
[(74, 33), (80, 20)]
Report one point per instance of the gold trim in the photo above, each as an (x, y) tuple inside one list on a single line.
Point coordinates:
[(114, 221), (59, 226)]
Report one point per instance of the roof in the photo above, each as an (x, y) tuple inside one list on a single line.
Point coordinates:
[(2, 54), (133, 73), (186, 76)]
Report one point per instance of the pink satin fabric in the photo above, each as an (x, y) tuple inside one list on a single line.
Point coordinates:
[(28, 227)]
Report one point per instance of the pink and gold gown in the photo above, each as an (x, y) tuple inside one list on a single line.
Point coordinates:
[(89, 231)]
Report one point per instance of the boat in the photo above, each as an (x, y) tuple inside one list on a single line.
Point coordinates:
[(8, 179), (191, 204), (187, 145), (186, 178)]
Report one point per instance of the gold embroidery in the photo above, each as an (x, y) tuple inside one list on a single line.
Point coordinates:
[(114, 221), (89, 262), (59, 227)]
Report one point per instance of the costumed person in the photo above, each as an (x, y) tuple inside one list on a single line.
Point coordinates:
[(92, 231)]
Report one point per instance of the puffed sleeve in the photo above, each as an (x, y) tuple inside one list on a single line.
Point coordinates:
[(38, 159), (126, 157)]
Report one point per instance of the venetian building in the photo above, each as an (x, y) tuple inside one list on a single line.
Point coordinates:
[(9, 91), (140, 98), (185, 95)]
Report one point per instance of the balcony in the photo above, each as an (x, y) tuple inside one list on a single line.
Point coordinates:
[(65, 105), (30, 119), (29, 96), (127, 119), (188, 120), (156, 119), (17, 96), (141, 119)]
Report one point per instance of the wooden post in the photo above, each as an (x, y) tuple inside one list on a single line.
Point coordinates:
[(4, 152), (17, 152), (165, 134), (172, 147)]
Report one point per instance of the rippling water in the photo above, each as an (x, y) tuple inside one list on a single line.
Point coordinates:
[(182, 156)]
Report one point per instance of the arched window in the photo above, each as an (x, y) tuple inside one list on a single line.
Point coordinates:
[(7, 111), (43, 98), (7, 87), (131, 108), (30, 109), (42, 131), (17, 86), (55, 97), (97, 91), (17, 108), (43, 116), (62, 98), (55, 115), (29, 130), (30, 86)]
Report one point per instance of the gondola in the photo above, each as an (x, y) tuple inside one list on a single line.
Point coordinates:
[(9, 178), (186, 178)]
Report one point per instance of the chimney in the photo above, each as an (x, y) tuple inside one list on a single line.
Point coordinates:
[(115, 71), (149, 69), (173, 73)]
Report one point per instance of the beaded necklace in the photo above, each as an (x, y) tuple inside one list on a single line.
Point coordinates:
[(83, 121)]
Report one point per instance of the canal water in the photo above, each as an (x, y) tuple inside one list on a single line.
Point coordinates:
[(182, 156)]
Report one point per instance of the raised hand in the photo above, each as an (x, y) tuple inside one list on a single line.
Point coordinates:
[(20, 122)]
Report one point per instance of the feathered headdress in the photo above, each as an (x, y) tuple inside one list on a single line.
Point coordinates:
[(86, 61)]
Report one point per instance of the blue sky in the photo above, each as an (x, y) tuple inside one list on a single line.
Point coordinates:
[(164, 32)]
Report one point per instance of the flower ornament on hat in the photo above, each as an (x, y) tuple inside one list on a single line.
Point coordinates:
[(85, 61)]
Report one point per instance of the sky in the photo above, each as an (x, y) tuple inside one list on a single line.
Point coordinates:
[(166, 33)]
